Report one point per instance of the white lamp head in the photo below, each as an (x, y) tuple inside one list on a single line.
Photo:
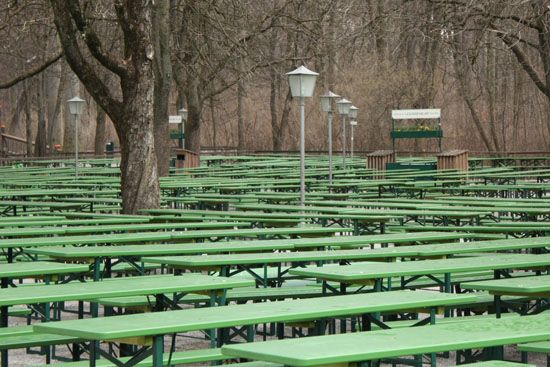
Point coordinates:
[(183, 113), (76, 105), (343, 106), (302, 82), (326, 101), (353, 112)]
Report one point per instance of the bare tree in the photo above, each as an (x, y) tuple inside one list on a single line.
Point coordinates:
[(132, 115)]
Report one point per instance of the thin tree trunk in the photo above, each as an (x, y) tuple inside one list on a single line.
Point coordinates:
[(99, 141), (214, 122), (194, 107), (163, 78), (69, 127), (28, 121), (40, 141), (240, 116), (53, 119)]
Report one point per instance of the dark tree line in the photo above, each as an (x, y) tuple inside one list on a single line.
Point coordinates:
[(485, 63)]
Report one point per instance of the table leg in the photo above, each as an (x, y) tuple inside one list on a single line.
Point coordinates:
[(4, 323), (158, 350)]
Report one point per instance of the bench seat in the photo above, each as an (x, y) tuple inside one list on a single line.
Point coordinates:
[(184, 357), (24, 337), (497, 363), (537, 347)]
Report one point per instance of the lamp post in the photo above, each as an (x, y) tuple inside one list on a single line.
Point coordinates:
[(302, 83), (343, 111), (326, 104), (183, 113), (353, 122), (76, 106)]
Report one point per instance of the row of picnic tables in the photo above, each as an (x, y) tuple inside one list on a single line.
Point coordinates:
[(253, 247), (502, 263)]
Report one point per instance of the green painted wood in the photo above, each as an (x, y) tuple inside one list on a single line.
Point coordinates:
[(523, 285), (372, 270), (152, 227), (355, 241), (536, 347), (281, 257), (185, 357), (247, 314), (348, 348), (131, 286), (156, 250), (86, 239), (34, 339), (30, 269)]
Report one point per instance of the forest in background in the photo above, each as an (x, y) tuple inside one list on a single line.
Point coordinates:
[(485, 63)]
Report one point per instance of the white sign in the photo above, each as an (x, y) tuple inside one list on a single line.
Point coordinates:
[(416, 114), (353, 123), (174, 119)]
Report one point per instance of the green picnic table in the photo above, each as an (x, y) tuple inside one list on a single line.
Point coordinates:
[(532, 287), (214, 235), (44, 270), (38, 269), (156, 285), (132, 254), (155, 325), (61, 221), (384, 239), (513, 229), (10, 206), (232, 264), (136, 237), (362, 222), (347, 349), (371, 272)]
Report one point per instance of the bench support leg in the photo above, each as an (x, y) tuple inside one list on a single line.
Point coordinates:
[(158, 350)]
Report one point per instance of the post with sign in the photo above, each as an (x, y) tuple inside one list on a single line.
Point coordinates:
[(184, 158), (412, 124), (177, 120)]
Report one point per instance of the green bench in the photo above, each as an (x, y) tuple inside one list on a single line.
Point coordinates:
[(153, 326), (176, 358), (536, 347), (347, 349), (497, 363)]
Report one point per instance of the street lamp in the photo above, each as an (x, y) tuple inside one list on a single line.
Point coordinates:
[(76, 106), (353, 122), (343, 111), (183, 113), (326, 104), (302, 83)]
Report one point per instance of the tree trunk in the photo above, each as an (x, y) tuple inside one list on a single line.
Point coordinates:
[(240, 117), (53, 119), (28, 121), (40, 141), (279, 138), (139, 175), (193, 127), (276, 131), (133, 114), (69, 127), (163, 78), (99, 141), (214, 122)]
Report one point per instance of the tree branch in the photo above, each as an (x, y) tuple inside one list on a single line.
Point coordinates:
[(81, 67), (32, 72), (523, 61), (93, 42)]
